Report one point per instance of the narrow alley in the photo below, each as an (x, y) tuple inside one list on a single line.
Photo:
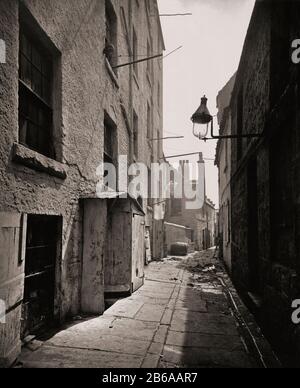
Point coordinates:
[(181, 317), (139, 229)]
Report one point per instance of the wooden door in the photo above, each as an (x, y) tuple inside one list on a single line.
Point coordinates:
[(138, 251), (118, 250), (12, 255), (40, 268)]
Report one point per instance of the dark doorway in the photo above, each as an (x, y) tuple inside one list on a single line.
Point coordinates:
[(43, 237), (253, 252)]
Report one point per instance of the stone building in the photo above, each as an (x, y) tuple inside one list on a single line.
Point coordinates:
[(65, 108), (201, 221), (177, 234), (223, 161), (206, 226), (265, 183)]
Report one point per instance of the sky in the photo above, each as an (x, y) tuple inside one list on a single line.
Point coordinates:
[(212, 40)]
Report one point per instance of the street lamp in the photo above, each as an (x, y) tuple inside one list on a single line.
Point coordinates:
[(201, 120)]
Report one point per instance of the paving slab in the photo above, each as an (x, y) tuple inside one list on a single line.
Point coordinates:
[(154, 300), (196, 305), (161, 334), (189, 340), (151, 361), (150, 313), (107, 343), (156, 348), (119, 327), (154, 293), (167, 317), (127, 309), (203, 327), (53, 357), (203, 357)]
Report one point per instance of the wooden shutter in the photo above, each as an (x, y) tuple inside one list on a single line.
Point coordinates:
[(12, 256)]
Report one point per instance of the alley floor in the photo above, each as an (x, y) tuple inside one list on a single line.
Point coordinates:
[(186, 315)]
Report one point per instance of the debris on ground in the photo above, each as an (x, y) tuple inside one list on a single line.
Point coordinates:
[(209, 269), (175, 258)]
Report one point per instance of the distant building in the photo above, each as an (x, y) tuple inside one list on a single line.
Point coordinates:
[(201, 221), (177, 234), (206, 226)]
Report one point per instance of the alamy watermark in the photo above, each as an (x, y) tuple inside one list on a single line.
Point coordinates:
[(2, 51), (2, 311), (296, 312), (160, 181)]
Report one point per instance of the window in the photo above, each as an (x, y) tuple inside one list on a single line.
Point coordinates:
[(240, 123), (109, 148), (35, 95), (176, 207), (135, 51), (226, 155), (135, 135), (111, 50), (109, 139)]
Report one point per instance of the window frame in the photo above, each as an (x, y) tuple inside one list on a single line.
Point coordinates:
[(111, 34), (33, 102), (109, 133)]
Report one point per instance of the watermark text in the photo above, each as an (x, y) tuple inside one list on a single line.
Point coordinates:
[(296, 312), (2, 311), (158, 181), (2, 51)]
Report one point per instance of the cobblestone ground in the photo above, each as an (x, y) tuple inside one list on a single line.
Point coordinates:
[(186, 315)]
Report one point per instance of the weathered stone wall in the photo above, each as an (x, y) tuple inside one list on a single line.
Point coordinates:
[(277, 158), (147, 89), (223, 161), (86, 89)]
